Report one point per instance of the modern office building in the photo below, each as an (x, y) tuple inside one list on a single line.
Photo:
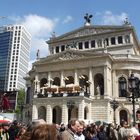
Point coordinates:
[(14, 57), (84, 73)]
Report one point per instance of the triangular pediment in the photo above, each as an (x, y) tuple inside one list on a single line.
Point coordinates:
[(89, 30), (66, 55)]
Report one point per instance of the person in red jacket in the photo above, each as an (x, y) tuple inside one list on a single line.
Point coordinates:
[(137, 138), (5, 102)]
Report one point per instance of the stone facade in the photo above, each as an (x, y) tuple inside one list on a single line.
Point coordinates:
[(81, 75)]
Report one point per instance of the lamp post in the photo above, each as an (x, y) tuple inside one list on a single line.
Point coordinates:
[(70, 105), (114, 105), (133, 86)]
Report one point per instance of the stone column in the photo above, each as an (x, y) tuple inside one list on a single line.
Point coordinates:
[(114, 81), (34, 112), (64, 113), (49, 77), (62, 79), (116, 40), (105, 80), (89, 113), (123, 39), (109, 41), (81, 110), (76, 80), (49, 114), (91, 80)]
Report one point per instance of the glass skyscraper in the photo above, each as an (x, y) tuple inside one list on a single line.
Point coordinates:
[(14, 57)]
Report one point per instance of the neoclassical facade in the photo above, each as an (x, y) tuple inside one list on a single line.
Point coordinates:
[(82, 75)]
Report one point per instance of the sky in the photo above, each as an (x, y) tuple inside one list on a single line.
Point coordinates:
[(43, 17)]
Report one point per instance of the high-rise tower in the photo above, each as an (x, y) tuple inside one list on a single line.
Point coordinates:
[(14, 56)]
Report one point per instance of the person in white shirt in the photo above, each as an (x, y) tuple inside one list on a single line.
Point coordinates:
[(79, 135)]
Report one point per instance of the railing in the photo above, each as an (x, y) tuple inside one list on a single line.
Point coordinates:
[(62, 91)]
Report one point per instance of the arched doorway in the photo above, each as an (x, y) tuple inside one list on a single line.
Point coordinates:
[(57, 115), (123, 115), (86, 113), (42, 113), (74, 112), (122, 90)]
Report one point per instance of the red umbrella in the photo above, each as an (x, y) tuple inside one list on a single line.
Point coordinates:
[(4, 121)]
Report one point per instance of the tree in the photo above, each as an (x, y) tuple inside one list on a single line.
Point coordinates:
[(20, 100)]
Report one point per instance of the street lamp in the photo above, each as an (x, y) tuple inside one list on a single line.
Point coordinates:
[(114, 105), (133, 86), (70, 105)]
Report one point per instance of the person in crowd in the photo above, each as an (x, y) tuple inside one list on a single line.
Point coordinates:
[(101, 133), (44, 132), (90, 132), (62, 127), (135, 130), (129, 134), (22, 130), (30, 127), (111, 132), (5, 103), (13, 130), (72, 129), (4, 134), (137, 137), (79, 134), (122, 130)]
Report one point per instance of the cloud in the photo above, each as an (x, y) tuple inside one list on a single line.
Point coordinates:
[(108, 18), (40, 29), (67, 19)]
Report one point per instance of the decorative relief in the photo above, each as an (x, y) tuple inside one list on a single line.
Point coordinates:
[(69, 55), (87, 32)]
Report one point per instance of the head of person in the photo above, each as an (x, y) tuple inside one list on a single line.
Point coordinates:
[(81, 127), (124, 124), (44, 132), (129, 135), (73, 124), (35, 123)]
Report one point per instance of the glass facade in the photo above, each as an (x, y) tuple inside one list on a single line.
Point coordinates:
[(5, 50)]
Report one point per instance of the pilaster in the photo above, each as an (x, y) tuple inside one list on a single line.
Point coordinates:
[(49, 114), (34, 112), (64, 113), (76, 82), (81, 110)]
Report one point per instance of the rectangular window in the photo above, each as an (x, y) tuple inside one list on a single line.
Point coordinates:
[(57, 49), (120, 41), (80, 45), (62, 47), (86, 45), (113, 41), (93, 44), (106, 42)]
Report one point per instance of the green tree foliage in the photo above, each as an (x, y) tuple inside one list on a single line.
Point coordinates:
[(20, 100)]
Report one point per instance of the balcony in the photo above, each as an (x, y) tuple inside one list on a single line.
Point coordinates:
[(62, 92)]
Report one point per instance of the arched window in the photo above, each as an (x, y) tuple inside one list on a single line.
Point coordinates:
[(56, 81), (122, 87), (42, 113), (99, 84), (123, 116), (43, 82), (70, 80)]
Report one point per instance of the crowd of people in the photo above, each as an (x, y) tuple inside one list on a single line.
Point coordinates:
[(74, 130)]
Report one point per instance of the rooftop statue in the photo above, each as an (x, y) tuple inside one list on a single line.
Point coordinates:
[(88, 17)]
